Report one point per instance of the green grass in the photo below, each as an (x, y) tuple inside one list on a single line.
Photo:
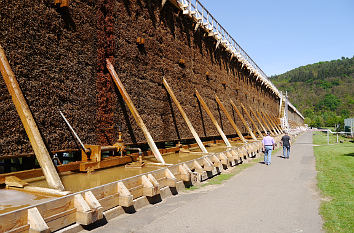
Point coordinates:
[(335, 166)]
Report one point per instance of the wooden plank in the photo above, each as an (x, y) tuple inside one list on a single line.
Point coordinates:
[(13, 181), (108, 162), (233, 124), (206, 108), (134, 112), (15, 221), (28, 174), (56, 206)]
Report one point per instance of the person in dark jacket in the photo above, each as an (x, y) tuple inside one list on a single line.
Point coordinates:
[(285, 141)]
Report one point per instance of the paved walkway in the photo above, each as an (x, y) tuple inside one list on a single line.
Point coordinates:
[(280, 198)]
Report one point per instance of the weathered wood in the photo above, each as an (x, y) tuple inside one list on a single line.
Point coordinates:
[(13, 181), (171, 179), (150, 186), (134, 112), (252, 121), (223, 159), (36, 222), (84, 213), (28, 174), (125, 197), (14, 222), (206, 108), (105, 163), (207, 164), (29, 124), (233, 124), (258, 120), (185, 117), (266, 122), (46, 191), (270, 123), (243, 120), (96, 208)]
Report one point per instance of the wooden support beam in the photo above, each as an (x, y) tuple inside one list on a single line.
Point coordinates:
[(198, 168), (243, 120), (266, 123), (134, 112), (150, 185), (125, 198), (206, 108), (29, 124), (46, 191), (216, 161), (270, 122), (36, 222), (185, 173), (223, 159), (258, 120), (185, 117), (249, 117), (207, 164), (272, 119), (83, 210), (233, 124), (96, 208), (13, 181), (171, 179)]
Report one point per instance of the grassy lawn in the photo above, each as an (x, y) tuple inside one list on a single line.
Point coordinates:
[(335, 166)]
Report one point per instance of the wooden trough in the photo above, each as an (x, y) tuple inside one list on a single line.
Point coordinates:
[(71, 212)]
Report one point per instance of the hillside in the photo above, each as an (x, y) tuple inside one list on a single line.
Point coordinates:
[(323, 92)]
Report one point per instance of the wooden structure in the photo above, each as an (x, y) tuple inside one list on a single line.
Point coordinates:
[(113, 199)]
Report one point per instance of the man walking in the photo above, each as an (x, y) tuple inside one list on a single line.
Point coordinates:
[(285, 141), (268, 145)]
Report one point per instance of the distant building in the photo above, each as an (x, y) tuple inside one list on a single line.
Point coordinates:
[(348, 125)]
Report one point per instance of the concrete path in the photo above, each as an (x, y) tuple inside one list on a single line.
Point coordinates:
[(280, 198)]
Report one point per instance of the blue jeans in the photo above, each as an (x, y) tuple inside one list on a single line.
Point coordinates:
[(268, 154), (286, 151)]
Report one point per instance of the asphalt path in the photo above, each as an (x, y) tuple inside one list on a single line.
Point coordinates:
[(282, 197)]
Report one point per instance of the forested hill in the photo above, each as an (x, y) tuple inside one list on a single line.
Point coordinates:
[(323, 92)]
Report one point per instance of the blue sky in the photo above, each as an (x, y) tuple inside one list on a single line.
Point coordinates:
[(282, 35)]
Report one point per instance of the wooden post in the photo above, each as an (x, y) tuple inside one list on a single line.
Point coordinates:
[(249, 117), (270, 122), (213, 119), (230, 119), (258, 120), (274, 123), (185, 117), (266, 122), (125, 198), (243, 120), (134, 112), (29, 124), (171, 179)]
